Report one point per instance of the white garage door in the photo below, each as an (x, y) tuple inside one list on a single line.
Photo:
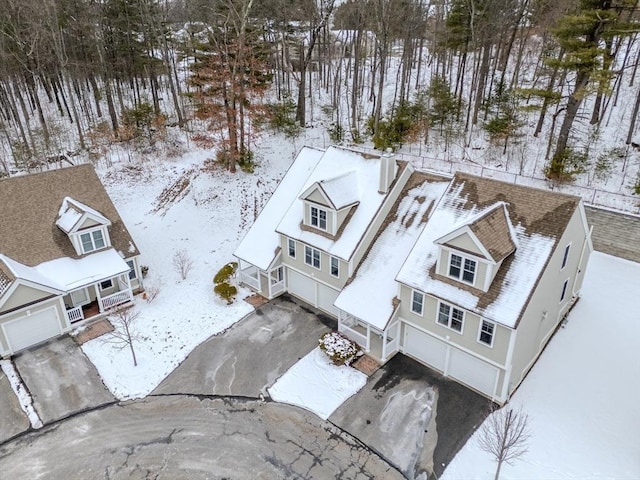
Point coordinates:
[(301, 286), (31, 329), (425, 348), (473, 372), (326, 297)]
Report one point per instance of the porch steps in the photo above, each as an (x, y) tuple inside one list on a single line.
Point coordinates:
[(256, 300), (366, 365)]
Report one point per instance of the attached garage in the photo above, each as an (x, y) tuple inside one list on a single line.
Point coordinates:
[(473, 372), (326, 297), (32, 328), (425, 348), (451, 361), (301, 286), (314, 293)]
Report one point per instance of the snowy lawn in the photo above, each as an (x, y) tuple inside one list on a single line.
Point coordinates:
[(316, 384), (583, 395), (173, 205)]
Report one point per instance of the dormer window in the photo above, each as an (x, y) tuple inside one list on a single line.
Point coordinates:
[(318, 218), (92, 241), (461, 268)]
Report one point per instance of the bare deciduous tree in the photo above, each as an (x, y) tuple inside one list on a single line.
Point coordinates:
[(504, 435), (182, 263), (124, 333)]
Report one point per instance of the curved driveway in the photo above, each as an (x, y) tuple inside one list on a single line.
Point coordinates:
[(186, 437)]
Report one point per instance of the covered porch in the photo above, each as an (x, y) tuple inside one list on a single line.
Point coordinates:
[(98, 298), (269, 283), (378, 344)]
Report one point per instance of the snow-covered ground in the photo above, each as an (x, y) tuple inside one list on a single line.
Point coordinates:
[(206, 219), (316, 384), (583, 395)]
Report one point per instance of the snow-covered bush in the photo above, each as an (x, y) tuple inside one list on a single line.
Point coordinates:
[(339, 348)]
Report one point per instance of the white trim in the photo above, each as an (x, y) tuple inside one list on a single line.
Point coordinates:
[(28, 283), (451, 308), (331, 259), (90, 231), (319, 211), (319, 267), (110, 280), (290, 242), (509, 361), (493, 333), (62, 327), (464, 258), (413, 292)]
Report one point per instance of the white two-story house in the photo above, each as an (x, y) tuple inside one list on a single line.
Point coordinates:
[(470, 276)]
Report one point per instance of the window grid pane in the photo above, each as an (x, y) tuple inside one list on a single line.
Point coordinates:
[(323, 219), (98, 240), (417, 302), (316, 258), (455, 266), (443, 314), (335, 267), (456, 319), (486, 333), (292, 248), (132, 271), (307, 255), (87, 244), (469, 270)]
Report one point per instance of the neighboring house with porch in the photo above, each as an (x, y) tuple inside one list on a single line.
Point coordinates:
[(470, 276), (65, 255)]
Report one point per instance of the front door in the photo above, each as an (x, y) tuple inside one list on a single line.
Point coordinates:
[(80, 297)]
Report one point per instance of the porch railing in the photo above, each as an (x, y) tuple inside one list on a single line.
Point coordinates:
[(277, 287), (114, 299), (249, 276), (359, 338), (75, 314)]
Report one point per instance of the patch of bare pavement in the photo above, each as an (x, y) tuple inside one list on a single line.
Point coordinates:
[(195, 438)]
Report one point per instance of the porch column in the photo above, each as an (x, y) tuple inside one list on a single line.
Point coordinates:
[(128, 283), (96, 287), (384, 345), (269, 282), (368, 338)]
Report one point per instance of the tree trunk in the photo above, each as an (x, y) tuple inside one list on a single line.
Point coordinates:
[(634, 118)]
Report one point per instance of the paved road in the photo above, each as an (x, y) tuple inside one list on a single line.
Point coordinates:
[(185, 437)]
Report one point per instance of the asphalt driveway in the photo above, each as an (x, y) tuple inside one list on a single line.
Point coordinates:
[(14, 420), (61, 379), (252, 354), (412, 416)]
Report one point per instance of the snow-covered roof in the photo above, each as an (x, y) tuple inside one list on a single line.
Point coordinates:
[(370, 293), (341, 191), (337, 162), (71, 211), (538, 217), (65, 274), (260, 245)]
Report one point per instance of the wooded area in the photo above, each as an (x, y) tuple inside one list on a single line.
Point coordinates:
[(76, 75)]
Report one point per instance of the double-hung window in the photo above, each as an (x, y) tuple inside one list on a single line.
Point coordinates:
[(291, 246), (462, 268), (417, 302), (106, 284), (319, 218), (486, 332), (335, 267), (312, 256), (450, 317), (92, 241)]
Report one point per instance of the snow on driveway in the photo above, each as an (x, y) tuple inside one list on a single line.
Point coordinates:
[(583, 395), (316, 384)]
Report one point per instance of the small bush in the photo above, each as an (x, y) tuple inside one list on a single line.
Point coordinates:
[(227, 291), (222, 286), (565, 166), (150, 294), (636, 186), (281, 117), (336, 133), (225, 272), (339, 348), (182, 263)]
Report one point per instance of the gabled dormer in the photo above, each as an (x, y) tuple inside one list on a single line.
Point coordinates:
[(86, 228), (473, 252), (329, 203)]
